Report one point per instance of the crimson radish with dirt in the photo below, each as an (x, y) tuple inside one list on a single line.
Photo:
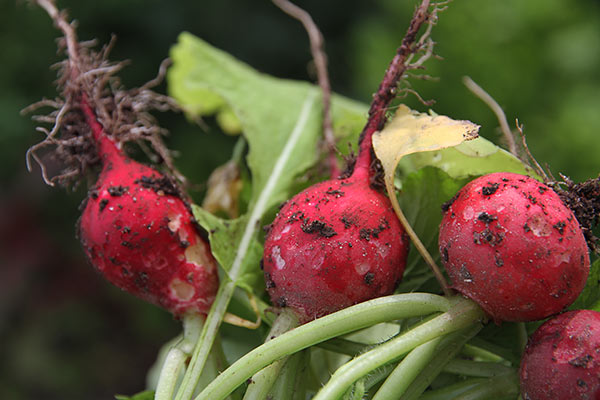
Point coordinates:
[(136, 227)]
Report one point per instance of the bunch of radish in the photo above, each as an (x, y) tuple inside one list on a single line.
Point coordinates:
[(335, 251)]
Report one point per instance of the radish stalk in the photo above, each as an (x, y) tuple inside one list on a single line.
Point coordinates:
[(407, 370), (464, 314), (365, 314), (262, 382), (177, 356)]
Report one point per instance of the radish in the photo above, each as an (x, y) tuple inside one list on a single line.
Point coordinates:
[(339, 242), (562, 358), (136, 228), (509, 243), (139, 233), (333, 245)]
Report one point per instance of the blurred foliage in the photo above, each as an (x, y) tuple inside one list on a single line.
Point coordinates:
[(538, 59), (68, 335)]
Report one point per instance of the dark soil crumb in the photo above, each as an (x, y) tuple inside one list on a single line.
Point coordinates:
[(581, 362), (318, 227), (446, 205), (163, 184), (336, 193), (367, 233), (560, 227), (269, 282), (486, 218), (102, 204), (490, 189), (117, 190), (377, 175), (281, 302)]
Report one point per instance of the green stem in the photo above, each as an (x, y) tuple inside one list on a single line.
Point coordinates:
[(407, 370), (169, 374), (353, 318), (447, 350), (500, 387), (285, 385), (476, 368), (452, 391), (465, 313), (357, 391), (262, 382), (378, 375), (486, 351), (177, 356), (302, 376), (204, 344), (344, 346)]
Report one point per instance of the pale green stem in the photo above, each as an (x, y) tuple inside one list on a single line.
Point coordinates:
[(407, 370), (500, 387), (301, 377), (262, 382), (378, 375), (486, 351), (177, 356), (344, 346), (285, 386), (465, 313), (357, 391), (447, 350), (353, 318), (169, 375), (452, 391), (476, 368)]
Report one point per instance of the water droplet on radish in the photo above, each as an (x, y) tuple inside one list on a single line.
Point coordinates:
[(468, 213), (362, 269), (276, 253)]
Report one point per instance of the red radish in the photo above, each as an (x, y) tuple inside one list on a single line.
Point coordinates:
[(139, 233), (562, 358), (333, 245), (136, 229), (509, 243), (339, 242)]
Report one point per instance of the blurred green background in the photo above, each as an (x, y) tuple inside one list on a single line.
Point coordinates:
[(65, 333)]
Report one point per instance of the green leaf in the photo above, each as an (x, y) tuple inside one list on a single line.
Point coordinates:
[(423, 193), (589, 299), (145, 395), (472, 158), (225, 236), (278, 117)]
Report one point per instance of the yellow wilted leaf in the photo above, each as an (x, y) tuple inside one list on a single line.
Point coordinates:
[(413, 132)]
